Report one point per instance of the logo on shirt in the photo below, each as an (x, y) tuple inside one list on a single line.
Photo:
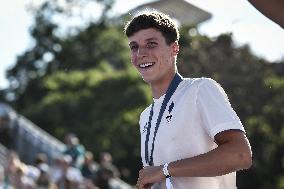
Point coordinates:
[(145, 128), (169, 116)]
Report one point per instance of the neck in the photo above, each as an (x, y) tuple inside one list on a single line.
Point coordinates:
[(159, 88)]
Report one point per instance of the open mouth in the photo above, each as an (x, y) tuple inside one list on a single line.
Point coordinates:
[(146, 65)]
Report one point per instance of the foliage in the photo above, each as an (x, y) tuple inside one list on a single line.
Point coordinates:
[(78, 49)]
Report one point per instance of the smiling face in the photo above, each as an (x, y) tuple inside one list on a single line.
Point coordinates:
[(152, 56)]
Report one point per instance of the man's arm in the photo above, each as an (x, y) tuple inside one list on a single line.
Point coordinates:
[(273, 9), (232, 154)]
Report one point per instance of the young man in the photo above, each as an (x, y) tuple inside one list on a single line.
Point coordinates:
[(190, 134)]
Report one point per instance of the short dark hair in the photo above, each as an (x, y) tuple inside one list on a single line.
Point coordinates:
[(156, 20)]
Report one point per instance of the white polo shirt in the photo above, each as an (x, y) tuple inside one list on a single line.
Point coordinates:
[(197, 111)]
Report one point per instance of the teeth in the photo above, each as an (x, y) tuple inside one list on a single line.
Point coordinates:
[(146, 64)]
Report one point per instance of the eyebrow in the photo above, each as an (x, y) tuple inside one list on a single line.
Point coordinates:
[(147, 40), (151, 39), (132, 43)]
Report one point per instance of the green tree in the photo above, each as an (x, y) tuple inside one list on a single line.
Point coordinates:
[(266, 134), (65, 48)]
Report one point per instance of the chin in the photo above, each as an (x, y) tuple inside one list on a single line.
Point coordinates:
[(147, 79)]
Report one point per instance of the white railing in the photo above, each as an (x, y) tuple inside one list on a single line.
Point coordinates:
[(29, 139), (3, 155)]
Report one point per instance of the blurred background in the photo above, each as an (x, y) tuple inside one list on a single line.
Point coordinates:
[(70, 99)]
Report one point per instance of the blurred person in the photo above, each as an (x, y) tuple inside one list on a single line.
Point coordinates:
[(74, 149), (44, 180), (20, 174), (88, 184), (190, 135), (89, 167), (41, 162), (106, 161), (12, 164), (40, 159), (21, 180), (71, 177), (106, 179), (56, 170), (3, 181), (31, 171)]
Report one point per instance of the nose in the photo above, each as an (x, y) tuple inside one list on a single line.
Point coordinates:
[(142, 52)]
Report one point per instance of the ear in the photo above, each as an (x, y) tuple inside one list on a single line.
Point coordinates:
[(175, 48)]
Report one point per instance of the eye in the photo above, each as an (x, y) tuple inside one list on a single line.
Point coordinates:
[(151, 45), (134, 48)]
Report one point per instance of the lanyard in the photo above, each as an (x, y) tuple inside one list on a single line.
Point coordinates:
[(172, 88)]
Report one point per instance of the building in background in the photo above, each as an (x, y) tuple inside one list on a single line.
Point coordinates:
[(181, 10)]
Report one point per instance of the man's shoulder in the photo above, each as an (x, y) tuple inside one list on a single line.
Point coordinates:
[(194, 83), (197, 82), (146, 111)]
